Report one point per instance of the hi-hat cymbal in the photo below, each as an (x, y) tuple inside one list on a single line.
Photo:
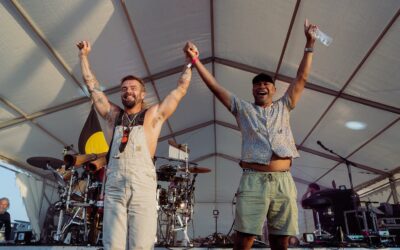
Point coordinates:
[(43, 162), (196, 170)]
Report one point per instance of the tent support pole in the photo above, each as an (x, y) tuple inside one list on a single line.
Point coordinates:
[(394, 190)]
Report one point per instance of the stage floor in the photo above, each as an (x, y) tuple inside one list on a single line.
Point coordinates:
[(20, 247)]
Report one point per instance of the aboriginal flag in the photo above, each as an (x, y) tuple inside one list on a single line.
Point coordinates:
[(92, 140)]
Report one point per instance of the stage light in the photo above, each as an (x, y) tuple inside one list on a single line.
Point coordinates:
[(309, 237), (356, 125)]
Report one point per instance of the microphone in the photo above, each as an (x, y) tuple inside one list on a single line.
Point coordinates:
[(322, 145)]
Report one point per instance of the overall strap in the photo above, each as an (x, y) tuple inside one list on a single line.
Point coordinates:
[(116, 123), (139, 120)]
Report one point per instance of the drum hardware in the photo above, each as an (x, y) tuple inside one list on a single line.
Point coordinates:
[(80, 159), (77, 217), (175, 195)]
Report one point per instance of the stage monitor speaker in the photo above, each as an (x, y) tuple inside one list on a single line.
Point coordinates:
[(358, 223), (23, 237)]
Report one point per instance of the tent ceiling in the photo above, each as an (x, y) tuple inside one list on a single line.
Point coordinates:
[(43, 102)]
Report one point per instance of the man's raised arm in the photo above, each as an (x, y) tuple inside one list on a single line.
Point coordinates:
[(297, 87), (167, 107), (220, 92), (100, 100)]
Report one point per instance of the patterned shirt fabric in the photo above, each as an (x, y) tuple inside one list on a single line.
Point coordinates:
[(264, 130)]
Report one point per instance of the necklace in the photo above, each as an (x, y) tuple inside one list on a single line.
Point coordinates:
[(130, 121)]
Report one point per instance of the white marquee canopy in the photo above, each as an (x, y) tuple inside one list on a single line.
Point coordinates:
[(44, 103)]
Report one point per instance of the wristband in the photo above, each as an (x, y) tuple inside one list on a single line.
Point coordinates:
[(194, 60), (190, 65), (308, 49)]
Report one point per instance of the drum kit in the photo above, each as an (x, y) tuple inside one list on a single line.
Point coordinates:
[(76, 218), (175, 195)]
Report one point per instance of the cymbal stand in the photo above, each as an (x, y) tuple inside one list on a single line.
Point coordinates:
[(85, 235), (59, 232), (70, 187), (319, 232), (186, 201)]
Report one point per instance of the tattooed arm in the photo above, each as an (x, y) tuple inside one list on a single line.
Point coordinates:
[(100, 100), (167, 107)]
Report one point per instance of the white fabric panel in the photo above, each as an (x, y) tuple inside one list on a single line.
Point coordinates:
[(229, 141), (383, 152), (200, 142), (162, 150), (228, 178), (31, 193), (204, 221), (163, 27), (306, 219), (333, 133), (29, 77), (252, 32), (379, 77), (380, 191), (237, 82), (205, 183), (195, 108), (310, 167), (64, 23), (383, 196), (24, 140), (307, 112), (353, 34), (374, 186), (341, 177), (6, 113), (67, 124)]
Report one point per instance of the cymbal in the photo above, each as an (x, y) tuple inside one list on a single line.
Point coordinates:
[(196, 170), (43, 161), (174, 160)]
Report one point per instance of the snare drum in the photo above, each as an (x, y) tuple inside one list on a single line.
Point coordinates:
[(65, 174)]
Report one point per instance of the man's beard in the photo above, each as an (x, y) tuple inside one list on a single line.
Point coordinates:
[(131, 104)]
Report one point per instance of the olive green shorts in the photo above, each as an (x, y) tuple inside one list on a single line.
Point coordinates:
[(267, 195)]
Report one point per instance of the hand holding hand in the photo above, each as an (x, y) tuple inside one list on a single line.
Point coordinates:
[(191, 51), (84, 48), (310, 31)]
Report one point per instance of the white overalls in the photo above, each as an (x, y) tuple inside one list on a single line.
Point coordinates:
[(130, 207)]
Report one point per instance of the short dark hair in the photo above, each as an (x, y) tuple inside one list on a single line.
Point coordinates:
[(132, 77), (314, 186), (263, 78), (6, 199)]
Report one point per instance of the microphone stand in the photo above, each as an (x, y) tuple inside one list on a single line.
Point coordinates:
[(347, 162), (353, 195)]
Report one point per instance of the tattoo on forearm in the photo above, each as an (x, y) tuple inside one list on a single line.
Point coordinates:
[(185, 75), (109, 116), (94, 89), (99, 100)]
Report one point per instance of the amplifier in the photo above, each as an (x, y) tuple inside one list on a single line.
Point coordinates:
[(389, 223)]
